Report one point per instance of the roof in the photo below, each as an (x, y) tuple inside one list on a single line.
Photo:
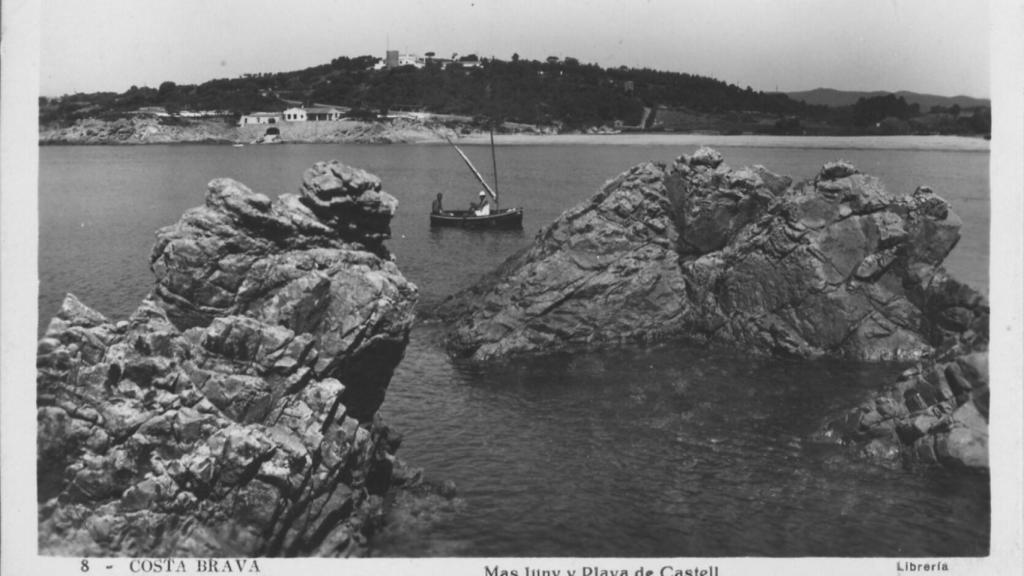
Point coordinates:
[(321, 110)]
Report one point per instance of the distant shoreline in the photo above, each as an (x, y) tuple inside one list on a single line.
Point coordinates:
[(934, 143), (147, 131)]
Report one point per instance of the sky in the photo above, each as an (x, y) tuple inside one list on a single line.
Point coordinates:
[(932, 46)]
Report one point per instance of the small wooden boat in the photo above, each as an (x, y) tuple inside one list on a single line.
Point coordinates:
[(504, 219), (497, 219)]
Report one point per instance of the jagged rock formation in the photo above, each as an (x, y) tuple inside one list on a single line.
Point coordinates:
[(935, 413), (233, 412), (314, 263), (833, 266), (605, 270)]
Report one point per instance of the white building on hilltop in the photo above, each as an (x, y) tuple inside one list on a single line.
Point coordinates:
[(412, 60), (392, 59)]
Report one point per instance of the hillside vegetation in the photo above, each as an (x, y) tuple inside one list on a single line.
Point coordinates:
[(563, 94)]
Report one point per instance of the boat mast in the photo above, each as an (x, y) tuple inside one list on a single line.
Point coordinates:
[(494, 166), (474, 170)]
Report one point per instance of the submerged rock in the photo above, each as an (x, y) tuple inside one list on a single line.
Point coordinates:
[(233, 412), (833, 266), (934, 414)]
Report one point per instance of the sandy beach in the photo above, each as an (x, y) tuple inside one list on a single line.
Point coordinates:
[(953, 143)]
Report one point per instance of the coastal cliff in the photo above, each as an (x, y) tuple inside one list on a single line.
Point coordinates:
[(835, 266), (234, 412)]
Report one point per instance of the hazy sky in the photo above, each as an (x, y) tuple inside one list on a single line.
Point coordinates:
[(940, 47)]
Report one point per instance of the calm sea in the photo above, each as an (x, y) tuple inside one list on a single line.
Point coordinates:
[(662, 451)]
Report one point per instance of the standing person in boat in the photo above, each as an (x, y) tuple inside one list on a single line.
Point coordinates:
[(435, 206), (483, 206)]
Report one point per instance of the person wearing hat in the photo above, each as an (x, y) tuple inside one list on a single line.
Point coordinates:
[(482, 207)]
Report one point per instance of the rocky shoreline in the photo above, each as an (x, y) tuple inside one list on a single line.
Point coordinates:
[(235, 412)]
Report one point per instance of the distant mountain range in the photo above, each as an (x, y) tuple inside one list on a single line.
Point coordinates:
[(836, 98)]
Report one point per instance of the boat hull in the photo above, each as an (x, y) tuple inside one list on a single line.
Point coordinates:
[(507, 219)]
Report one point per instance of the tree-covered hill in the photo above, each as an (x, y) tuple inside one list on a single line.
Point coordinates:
[(555, 91), (560, 92)]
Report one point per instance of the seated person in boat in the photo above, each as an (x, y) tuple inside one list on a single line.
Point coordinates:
[(482, 207), (435, 206)]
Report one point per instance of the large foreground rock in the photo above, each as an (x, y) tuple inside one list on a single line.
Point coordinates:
[(233, 413), (833, 266)]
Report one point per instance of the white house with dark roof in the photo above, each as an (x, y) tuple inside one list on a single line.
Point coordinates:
[(295, 115), (312, 114), (322, 113), (260, 118)]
